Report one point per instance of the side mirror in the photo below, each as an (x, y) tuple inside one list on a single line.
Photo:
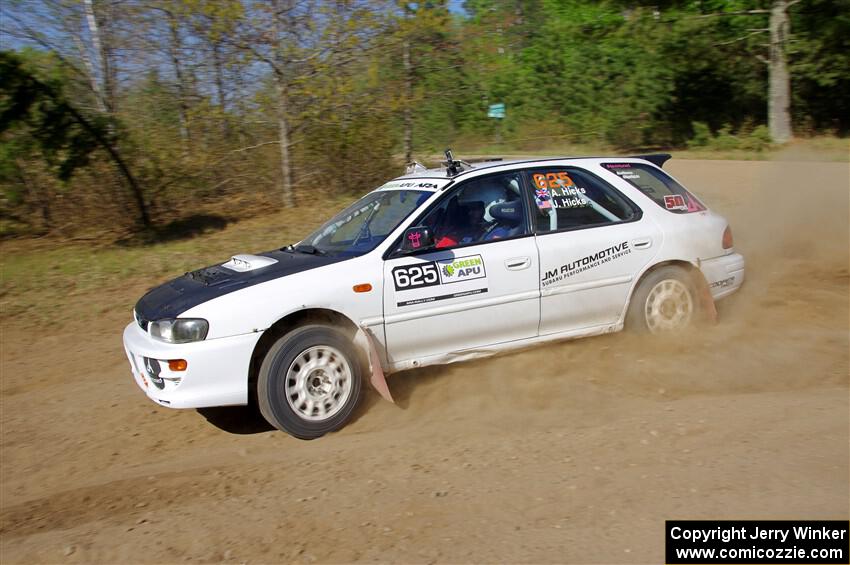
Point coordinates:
[(416, 239)]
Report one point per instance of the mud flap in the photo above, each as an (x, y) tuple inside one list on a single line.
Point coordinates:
[(364, 339), (706, 300)]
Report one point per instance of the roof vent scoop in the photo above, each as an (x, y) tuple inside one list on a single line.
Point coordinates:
[(415, 167)]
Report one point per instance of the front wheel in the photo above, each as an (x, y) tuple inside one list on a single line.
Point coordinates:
[(309, 383), (665, 301)]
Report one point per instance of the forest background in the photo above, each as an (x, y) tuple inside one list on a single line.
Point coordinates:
[(138, 120)]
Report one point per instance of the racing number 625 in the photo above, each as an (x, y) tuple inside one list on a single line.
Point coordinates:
[(414, 276)]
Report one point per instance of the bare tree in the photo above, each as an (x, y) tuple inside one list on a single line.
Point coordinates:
[(779, 79), (282, 13), (174, 47), (101, 34), (218, 69), (408, 85), (779, 91), (408, 101), (420, 29), (84, 31), (214, 25), (277, 35)]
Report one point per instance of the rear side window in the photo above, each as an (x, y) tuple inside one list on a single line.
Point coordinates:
[(568, 198), (659, 186)]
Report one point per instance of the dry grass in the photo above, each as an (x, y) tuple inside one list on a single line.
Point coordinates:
[(51, 282)]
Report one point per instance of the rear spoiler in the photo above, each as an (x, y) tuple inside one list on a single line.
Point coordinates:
[(657, 159)]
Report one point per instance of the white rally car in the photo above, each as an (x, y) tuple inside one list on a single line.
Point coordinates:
[(436, 266)]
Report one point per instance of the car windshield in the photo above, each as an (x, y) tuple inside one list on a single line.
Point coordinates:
[(362, 226)]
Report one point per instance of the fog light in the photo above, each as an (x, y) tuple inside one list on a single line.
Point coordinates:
[(177, 364)]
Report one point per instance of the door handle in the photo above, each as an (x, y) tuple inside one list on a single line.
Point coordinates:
[(518, 263), (643, 243)]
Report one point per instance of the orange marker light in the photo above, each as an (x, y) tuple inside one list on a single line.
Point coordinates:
[(177, 364), (365, 287)]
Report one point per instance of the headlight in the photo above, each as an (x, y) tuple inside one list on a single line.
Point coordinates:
[(180, 330)]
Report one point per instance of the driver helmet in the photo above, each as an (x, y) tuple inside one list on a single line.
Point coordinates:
[(491, 191)]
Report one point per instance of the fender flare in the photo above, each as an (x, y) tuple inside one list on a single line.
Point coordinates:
[(706, 300)]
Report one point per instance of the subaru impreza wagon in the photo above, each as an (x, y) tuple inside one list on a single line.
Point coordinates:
[(436, 266)]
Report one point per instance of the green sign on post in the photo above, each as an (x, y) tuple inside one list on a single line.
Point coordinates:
[(496, 111)]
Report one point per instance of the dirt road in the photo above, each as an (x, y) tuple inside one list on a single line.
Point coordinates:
[(574, 452)]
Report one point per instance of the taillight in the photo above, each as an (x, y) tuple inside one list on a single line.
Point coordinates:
[(727, 238)]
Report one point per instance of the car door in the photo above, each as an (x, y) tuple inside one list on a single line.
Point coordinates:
[(477, 287), (592, 242)]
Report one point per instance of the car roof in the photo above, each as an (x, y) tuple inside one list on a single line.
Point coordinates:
[(657, 159)]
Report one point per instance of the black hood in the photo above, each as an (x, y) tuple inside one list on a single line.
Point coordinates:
[(175, 297)]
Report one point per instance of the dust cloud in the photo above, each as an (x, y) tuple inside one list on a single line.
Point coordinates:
[(570, 452)]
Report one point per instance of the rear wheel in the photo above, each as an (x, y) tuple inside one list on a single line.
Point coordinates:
[(665, 301), (309, 383)]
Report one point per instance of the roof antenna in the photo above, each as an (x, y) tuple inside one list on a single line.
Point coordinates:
[(453, 167)]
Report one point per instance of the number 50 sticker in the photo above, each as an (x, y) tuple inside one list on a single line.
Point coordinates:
[(416, 276)]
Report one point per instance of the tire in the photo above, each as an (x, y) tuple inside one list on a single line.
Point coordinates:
[(309, 382), (665, 301)]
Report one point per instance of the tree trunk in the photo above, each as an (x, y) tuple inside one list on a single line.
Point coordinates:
[(779, 90), (279, 70), (102, 52), (408, 102), (219, 85), (108, 45), (286, 183), (174, 54), (92, 75)]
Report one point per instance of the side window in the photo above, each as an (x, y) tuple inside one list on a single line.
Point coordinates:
[(658, 185), (482, 209), (568, 198)]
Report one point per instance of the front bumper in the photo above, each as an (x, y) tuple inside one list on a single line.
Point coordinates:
[(724, 274), (216, 373)]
